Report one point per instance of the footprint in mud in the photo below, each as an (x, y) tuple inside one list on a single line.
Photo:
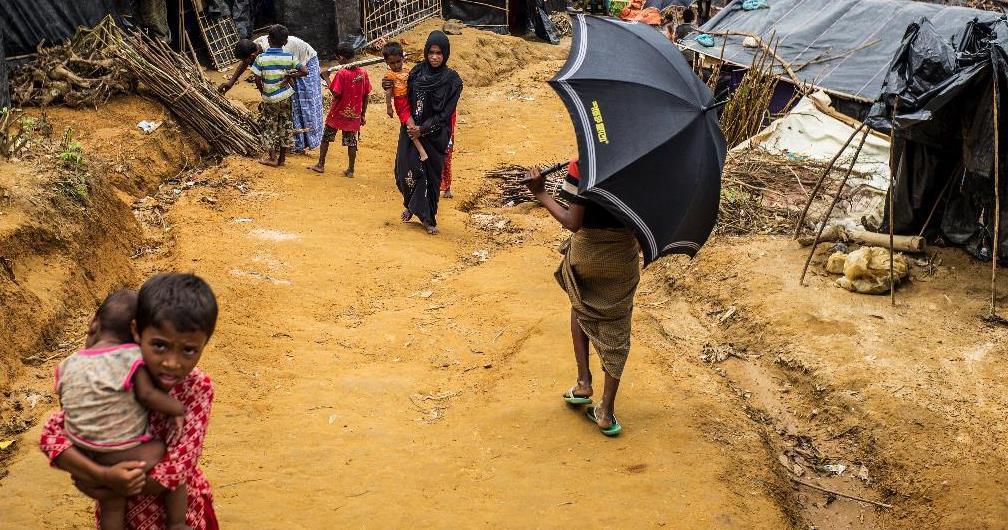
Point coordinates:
[(636, 469), (826, 326)]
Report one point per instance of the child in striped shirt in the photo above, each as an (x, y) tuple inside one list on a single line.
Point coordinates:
[(274, 71)]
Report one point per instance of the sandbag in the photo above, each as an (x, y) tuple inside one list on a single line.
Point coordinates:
[(835, 263), (866, 270)]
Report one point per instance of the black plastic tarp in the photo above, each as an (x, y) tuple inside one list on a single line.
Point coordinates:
[(505, 16), (240, 11), (348, 24), (544, 28), (4, 80), (26, 23), (843, 46), (484, 14), (322, 23), (937, 100)]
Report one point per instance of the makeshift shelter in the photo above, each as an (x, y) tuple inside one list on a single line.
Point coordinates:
[(814, 130), (507, 16), (939, 100), (841, 46)]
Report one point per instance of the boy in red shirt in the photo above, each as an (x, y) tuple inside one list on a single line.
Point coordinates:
[(350, 88)]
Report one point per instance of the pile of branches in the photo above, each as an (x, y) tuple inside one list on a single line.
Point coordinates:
[(179, 84), (513, 191), (13, 136), (562, 22), (763, 193), (82, 72), (747, 110)]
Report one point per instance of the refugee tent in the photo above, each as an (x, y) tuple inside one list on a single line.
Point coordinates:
[(941, 92), (841, 46)]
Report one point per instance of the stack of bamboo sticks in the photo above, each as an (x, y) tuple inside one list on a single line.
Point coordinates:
[(513, 191), (746, 111), (179, 84)]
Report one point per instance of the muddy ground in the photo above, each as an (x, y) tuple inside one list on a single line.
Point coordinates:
[(367, 374)]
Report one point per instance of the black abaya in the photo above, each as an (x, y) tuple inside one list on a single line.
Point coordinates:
[(433, 96)]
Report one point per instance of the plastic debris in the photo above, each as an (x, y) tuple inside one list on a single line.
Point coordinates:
[(149, 126), (836, 469)]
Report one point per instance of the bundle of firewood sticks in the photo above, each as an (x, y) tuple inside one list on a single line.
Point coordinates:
[(511, 179), (181, 86)]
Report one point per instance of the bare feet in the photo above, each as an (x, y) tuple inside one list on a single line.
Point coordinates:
[(317, 168), (447, 194), (406, 216), (269, 162), (431, 229), (348, 174)]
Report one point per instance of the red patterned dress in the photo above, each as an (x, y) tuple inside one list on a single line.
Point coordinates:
[(180, 462), (446, 175)]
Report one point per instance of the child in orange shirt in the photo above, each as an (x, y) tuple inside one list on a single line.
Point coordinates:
[(397, 97)]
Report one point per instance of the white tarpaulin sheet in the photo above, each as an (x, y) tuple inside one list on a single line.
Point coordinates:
[(813, 130)]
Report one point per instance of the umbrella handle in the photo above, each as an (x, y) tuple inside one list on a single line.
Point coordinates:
[(553, 169), (550, 170), (715, 105)]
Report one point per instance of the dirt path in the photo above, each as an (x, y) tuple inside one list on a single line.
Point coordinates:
[(369, 375)]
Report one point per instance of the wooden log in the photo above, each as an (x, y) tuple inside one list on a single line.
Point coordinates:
[(912, 244)]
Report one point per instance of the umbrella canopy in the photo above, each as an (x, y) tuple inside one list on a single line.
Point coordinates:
[(651, 150)]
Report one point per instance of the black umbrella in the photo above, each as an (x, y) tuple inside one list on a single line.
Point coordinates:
[(651, 150)]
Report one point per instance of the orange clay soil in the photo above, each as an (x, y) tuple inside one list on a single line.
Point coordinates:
[(369, 375)]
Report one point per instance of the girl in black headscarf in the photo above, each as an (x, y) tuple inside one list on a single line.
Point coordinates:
[(433, 91)]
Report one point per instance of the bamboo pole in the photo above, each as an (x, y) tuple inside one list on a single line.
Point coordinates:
[(839, 494), (826, 214), (759, 41), (997, 195), (892, 193), (822, 178)]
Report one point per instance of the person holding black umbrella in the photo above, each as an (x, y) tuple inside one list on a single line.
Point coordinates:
[(600, 271), (647, 181)]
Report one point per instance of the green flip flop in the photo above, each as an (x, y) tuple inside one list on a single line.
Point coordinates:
[(613, 429), (571, 399)]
